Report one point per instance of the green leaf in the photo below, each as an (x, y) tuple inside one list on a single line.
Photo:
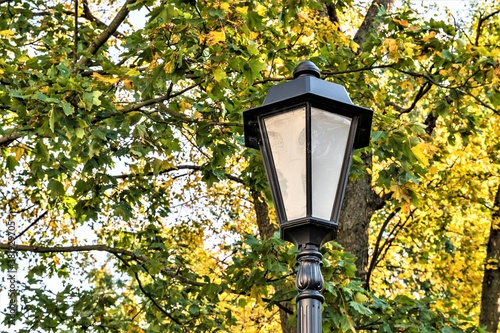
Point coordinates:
[(65, 71), (67, 108), (55, 188), (219, 74), (79, 132), (11, 162), (52, 118)]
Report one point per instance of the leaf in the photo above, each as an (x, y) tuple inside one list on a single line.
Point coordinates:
[(215, 37), (67, 108), (65, 71), (11, 163), (92, 98), (79, 132), (360, 308), (403, 23), (420, 152), (219, 74), (55, 188), (106, 79), (133, 72), (7, 33), (52, 118)]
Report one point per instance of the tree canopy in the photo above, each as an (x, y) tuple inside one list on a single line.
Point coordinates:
[(131, 205)]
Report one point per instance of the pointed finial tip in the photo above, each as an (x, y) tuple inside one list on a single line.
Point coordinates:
[(306, 68)]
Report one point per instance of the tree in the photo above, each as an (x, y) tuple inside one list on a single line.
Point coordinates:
[(491, 285), (125, 138)]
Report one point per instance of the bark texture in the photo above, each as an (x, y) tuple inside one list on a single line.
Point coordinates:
[(368, 22), (491, 282), (360, 202), (266, 228)]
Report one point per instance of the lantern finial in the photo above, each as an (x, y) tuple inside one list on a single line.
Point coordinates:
[(306, 68)]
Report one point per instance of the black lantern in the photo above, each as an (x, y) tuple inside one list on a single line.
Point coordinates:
[(307, 130)]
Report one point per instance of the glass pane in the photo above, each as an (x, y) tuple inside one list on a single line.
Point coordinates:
[(287, 137), (329, 133)]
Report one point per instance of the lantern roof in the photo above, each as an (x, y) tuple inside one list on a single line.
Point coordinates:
[(307, 81), (308, 87)]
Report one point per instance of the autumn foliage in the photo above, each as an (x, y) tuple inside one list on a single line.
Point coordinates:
[(136, 207)]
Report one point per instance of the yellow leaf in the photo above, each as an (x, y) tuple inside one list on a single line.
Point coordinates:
[(56, 260), (260, 9), (414, 28), (19, 151), (495, 224), (391, 44), (429, 36), (242, 10), (127, 83), (225, 6), (399, 193), (7, 33), (219, 74), (419, 151), (406, 208), (354, 46), (110, 80), (215, 37), (403, 23), (406, 85), (169, 67), (133, 72), (302, 17)]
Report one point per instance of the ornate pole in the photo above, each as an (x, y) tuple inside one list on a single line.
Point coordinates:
[(309, 283)]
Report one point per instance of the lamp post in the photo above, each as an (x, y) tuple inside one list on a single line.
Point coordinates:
[(307, 130)]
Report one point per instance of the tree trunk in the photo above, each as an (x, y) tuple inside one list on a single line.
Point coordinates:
[(360, 202), (491, 282), (367, 24)]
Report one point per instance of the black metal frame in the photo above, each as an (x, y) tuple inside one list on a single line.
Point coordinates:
[(316, 231)]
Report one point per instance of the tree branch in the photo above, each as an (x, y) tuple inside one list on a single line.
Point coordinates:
[(376, 249), (480, 102), (117, 252), (355, 70), (89, 16), (480, 25), (88, 248), (421, 92), (7, 140), (106, 33), (331, 12), (28, 227), (138, 106), (149, 296), (174, 168)]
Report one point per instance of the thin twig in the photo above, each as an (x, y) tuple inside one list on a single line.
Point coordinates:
[(31, 224)]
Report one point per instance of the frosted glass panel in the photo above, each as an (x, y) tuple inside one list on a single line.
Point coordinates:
[(287, 136), (329, 133)]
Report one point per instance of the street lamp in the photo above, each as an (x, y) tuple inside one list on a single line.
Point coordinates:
[(307, 130)]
